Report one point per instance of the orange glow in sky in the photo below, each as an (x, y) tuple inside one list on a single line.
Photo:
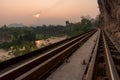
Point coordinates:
[(36, 15), (40, 12)]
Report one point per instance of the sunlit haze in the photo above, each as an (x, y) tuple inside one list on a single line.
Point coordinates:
[(39, 12)]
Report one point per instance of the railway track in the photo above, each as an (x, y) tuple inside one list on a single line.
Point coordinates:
[(104, 63), (38, 52), (37, 65)]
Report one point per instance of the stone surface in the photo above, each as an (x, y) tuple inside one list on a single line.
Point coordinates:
[(110, 15)]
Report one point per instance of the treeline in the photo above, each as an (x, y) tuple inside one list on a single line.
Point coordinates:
[(23, 38)]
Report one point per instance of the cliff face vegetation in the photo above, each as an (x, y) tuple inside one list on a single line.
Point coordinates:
[(110, 16)]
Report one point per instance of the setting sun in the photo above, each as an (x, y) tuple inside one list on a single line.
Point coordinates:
[(36, 15)]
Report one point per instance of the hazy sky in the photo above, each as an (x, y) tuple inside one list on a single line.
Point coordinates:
[(45, 11)]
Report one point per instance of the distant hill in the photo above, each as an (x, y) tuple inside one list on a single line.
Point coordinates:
[(16, 25)]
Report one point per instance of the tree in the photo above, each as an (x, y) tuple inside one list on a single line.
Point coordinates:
[(67, 23)]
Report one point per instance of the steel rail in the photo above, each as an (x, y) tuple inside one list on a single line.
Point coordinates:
[(90, 67), (112, 68), (94, 64)]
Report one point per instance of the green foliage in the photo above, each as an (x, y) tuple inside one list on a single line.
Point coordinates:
[(23, 49), (6, 45), (20, 37), (17, 38), (98, 22), (41, 36), (50, 30), (80, 27)]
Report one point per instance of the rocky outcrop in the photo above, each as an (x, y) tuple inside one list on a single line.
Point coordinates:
[(110, 15)]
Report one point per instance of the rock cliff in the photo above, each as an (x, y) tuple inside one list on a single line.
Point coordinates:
[(110, 15)]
